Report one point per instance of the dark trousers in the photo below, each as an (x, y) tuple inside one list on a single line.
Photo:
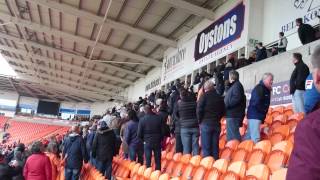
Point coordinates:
[(179, 146), (136, 152), (105, 167), (233, 125), (210, 140), (156, 149), (72, 174)]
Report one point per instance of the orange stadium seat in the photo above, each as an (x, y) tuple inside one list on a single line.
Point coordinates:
[(221, 165), (276, 160), (279, 174), (259, 171)]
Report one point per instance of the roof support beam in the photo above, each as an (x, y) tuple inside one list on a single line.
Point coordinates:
[(74, 56), (63, 64), (64, 73), (64, 81), (65, 89), (109, 23), (79, 39), (191, 8)]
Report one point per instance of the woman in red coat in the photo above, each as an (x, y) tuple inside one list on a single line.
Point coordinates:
[(38, 166)]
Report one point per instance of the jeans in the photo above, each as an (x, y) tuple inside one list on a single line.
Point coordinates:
[(136, 152), (72, 174), (210, 140), (190, 140), (105, 167), (298, 101), (233, 125), (179, 146), (253, 131), (156, 149)]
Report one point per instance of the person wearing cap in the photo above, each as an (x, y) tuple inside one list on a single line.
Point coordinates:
[(103, 149)]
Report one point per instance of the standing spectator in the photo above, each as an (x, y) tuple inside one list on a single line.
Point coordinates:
[(258, 106), (283, 42), (228, 68), (75, 153), (6, 172), (297, 82), (103, 149), (210, 110), (261, 52), (150, 132), (38, 166), (125, 147), (52, 153), (311, 96), (235, 103), (90, 137), (131, 138), (173, 99), (306, 32), (186, 113), (304, 159)]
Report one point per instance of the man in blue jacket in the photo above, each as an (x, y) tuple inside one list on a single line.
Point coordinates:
[(75, 153), (258, 107), (311, 96), (235, 104)]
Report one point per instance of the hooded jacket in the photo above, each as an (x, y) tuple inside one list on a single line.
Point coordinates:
[(259, 102), (104, 144), (298, 77), (75, 151)]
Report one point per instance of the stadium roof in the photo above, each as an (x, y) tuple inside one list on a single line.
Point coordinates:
[(90, 50)]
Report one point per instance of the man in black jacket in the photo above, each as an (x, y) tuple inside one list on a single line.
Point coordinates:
[(189, 127), (210, 110), (150, 132), (75, 153), (103, 149), (306, 32), (172, 103), (261, 52), (297, 82), (235, 103)]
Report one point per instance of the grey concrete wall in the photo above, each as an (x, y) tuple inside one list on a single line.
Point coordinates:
[(281, 66)]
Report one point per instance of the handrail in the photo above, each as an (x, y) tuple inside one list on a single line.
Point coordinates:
[(269, 45)]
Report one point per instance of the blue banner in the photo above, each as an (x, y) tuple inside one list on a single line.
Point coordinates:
[(67, 111), (83, 112), (7, 108), (220, 33)]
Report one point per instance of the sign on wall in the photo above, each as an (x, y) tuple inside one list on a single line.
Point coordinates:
[(217, 38), (153, 85), (308, 10), (280, 94), (177, 62)]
